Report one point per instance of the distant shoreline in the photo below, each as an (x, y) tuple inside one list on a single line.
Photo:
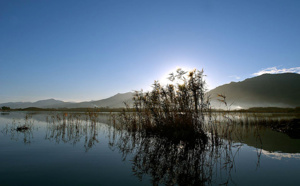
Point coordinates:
[(250, 110)]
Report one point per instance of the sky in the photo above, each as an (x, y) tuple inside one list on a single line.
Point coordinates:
[(90, 50)]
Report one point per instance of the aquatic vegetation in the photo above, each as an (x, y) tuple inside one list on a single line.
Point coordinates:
[(20, 129), (288, 125), (175, 111), (170, 133), (165, 160), (174, 136), (176, 163), (72, 127), (4, 108)]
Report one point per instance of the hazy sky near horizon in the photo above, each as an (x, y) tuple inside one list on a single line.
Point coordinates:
[(90, 50)]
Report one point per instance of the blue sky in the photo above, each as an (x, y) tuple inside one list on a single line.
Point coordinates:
[(90, 50)]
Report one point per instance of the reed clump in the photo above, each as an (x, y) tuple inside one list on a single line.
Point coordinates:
[(73, 127), (289, 125), (176, 111)]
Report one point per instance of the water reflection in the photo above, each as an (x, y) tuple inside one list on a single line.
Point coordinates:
[(171, 163), (20, 129), (165, 161), (246, 128), (280, 156), (72, 127)]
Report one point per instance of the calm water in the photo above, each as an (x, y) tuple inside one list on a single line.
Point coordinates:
[(81, 149)]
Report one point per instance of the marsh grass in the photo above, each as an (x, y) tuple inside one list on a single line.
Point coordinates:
[(174, 111), (168, 157), (178, 112), (289, 125), (73, 127), (20, 129), (171, 162), (173, 134)]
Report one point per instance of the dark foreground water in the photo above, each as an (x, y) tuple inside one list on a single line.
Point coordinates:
[(57, 149)]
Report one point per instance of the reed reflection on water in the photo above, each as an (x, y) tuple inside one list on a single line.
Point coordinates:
[(71, 128), (20, 129), (165, 161), (172, 163)]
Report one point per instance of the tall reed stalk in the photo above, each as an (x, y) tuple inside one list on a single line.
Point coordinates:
[(176, 111)]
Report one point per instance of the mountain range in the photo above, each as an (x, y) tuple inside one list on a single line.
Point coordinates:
[(267, 90), (115, 101)]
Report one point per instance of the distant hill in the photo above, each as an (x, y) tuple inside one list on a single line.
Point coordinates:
[(48, 103), (267, 90), (115, 101)]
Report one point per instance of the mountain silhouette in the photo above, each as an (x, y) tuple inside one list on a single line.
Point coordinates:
[(267, 90), (115, 101)]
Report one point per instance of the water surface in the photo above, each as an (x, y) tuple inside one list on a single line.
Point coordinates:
[(84, 149)]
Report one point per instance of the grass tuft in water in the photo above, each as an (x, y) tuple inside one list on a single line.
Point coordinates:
[(175, 111)]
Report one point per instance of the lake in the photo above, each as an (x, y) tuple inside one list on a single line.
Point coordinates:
[(85, 149)]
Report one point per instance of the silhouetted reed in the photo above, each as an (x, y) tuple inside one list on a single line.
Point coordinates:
[(173, 135), (176, 111), (20, 129), (72, 127), (175, 163), (289, 125)]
